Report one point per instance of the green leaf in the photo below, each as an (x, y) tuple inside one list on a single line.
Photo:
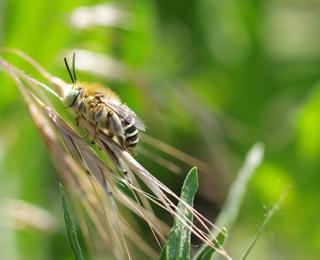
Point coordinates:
[(231, 208), (207, 251), (178, 242), (72, 235)]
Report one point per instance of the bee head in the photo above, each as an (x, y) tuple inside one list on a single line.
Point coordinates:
[(72, 96)]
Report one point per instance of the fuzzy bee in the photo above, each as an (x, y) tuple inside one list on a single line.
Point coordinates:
[(102, 108)]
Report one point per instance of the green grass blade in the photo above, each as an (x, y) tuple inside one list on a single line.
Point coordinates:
[(207, 251), (231, 208), (269, 216), (72, 235), (178, 243)]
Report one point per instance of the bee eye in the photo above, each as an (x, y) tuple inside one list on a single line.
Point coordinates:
[(72, 97)]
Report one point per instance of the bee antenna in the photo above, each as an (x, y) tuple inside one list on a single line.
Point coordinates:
[(74, 66), (68, 69)]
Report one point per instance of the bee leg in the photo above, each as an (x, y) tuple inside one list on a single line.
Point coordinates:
[(99, 116), (122, 141), (77, 119), (96, 129), (131, 152), (81, 110), (115, 127)]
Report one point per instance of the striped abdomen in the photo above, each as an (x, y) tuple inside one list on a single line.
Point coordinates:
[(131, 134)]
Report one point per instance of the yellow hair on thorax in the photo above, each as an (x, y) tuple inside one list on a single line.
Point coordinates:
[(96, 89)]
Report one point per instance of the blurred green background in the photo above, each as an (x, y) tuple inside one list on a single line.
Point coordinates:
[(207, 77)]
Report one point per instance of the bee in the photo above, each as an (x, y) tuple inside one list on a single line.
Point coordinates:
[(103, 108)]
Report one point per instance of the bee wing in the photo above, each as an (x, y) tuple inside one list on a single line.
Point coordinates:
[(125, 112)]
